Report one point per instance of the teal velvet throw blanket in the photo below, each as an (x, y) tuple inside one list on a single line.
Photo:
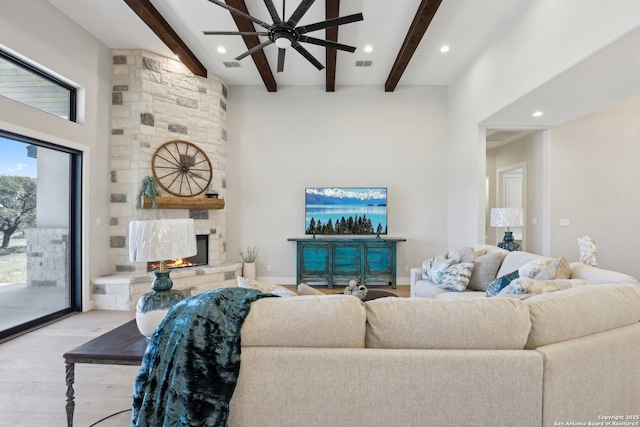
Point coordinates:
[(191, 365)]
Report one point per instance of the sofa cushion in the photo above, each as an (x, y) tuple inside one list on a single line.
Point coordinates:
[(599, 275), (426, 289), (466, 254), (466, 294), (424, 323), (500, 283), (581, 311), (516, 259), (526, 286), (306, 321), (457, 277), (557, 269), (485, 268)]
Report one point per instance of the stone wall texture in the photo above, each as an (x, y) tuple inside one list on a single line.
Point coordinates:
[(48, 256), (155, 100)]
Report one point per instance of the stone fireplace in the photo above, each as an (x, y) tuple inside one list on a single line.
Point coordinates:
[(155, 100)]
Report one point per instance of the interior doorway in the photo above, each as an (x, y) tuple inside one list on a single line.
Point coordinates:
[(511, 193)]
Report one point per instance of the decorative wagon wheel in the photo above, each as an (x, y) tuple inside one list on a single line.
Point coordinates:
[(181, 168)]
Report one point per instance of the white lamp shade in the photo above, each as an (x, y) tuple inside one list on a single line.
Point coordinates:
[(507, 217), (161, 240)]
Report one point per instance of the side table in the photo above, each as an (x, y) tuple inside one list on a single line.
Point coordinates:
[(123, 345)]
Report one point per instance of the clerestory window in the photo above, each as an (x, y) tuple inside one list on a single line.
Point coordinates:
[(27, 84)]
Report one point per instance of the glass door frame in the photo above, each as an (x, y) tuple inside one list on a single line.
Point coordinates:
[(75, 236)]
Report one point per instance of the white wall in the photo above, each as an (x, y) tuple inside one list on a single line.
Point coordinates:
[(542, 40), (52, 199), (280, 143), (43, 34), (594, 177)]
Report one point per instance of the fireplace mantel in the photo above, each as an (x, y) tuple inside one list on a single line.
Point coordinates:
[(164, 202)]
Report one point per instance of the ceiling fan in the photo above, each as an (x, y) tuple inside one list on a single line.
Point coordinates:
[(285, 33)]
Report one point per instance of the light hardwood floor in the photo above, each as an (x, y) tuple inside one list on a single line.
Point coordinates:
[(32, 373)]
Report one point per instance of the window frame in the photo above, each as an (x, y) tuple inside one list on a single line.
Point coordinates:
[(75, 235), (73, 91)]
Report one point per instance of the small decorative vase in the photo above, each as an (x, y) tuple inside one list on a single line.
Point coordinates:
[(152, 307), (249, 270)]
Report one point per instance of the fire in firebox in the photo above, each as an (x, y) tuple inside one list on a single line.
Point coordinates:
[(201, 258)]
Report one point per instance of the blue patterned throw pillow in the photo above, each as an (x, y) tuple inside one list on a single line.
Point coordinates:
[(500, 283), (457, 277), (438, 269)]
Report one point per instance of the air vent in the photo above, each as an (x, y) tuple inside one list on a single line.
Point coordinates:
[(232, 64), (364, 63)]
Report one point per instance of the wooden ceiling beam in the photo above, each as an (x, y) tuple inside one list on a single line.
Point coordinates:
[(332, 10), (150, 15), (259, 58), (422, 20)]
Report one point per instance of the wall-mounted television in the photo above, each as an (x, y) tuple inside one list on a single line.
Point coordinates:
[(346, 210)]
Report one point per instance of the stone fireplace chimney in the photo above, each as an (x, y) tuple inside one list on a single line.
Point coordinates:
[(155, 100)]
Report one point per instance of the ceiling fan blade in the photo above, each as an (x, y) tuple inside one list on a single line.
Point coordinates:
[(300, 11), (326, 43), (281, 53), (304, 52), (235, 33), (254, 50), (272, 11), (330, 23), (241, 13)]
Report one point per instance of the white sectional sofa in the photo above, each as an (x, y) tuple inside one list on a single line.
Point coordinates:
[(579, 273), (318, 361)]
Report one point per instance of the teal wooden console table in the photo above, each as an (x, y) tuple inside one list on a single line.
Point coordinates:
[(332, 260)]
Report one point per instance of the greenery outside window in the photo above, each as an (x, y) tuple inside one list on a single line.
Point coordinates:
[(40, 232)]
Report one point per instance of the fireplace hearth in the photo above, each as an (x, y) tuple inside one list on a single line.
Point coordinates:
[(200, 258)]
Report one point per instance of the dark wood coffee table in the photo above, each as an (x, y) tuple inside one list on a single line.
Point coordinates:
[(123, 345), (374, 294)]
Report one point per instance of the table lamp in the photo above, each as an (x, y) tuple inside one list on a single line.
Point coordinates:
[(507, 217), (159, 240)]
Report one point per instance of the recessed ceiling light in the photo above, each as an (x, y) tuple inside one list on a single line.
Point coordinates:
[(444, 49), (222, 49), (537, 114), (368, 48)]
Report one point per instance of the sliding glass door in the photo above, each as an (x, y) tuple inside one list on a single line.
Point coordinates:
[(39, 232)]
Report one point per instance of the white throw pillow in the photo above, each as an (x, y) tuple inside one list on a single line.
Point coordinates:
[(267, 288), (457, 277), (485, 268), (428, 265), (526, 286), (530, 269), (434, 275), (304, 289), (557, 269)]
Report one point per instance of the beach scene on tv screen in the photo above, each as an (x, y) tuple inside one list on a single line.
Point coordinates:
[(345, 210)]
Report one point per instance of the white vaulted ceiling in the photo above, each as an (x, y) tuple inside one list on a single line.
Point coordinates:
[(464, 25)]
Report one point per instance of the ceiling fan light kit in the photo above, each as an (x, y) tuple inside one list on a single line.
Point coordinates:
[(286, 34)]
